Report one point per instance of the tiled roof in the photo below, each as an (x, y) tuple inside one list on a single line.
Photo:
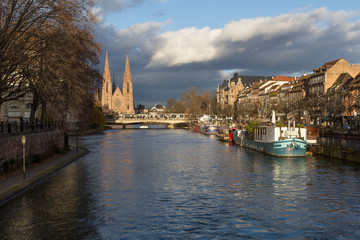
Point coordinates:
[(283, 78), (326, 66), (245, 80), (355, 83), (332, 63), (249, 80), (343, 80)]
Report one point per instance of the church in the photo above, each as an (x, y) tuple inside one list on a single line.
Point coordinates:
[(118, 101)]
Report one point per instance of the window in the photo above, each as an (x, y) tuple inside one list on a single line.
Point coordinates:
[(107, 87), (127, 87), (28, 106), (14, 106)]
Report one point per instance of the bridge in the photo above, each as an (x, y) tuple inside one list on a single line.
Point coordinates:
[(169, 123)]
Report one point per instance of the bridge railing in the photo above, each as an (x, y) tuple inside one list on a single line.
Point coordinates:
[(181, 116), (154, 116)]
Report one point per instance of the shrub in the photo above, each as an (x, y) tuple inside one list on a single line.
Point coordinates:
[(280, 124), (251, 125)]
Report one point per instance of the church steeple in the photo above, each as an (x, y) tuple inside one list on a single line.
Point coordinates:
[(106, 93), (107, 75), (127, 73), (127, 87)]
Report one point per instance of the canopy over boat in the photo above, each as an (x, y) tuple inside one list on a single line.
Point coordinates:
[(205, 118)]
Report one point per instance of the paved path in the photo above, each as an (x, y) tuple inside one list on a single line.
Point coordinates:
[(16, 185)]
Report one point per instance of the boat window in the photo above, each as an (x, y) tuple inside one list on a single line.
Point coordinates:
[(259, 132)]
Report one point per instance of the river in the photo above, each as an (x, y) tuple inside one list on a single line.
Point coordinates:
[(177, 184)]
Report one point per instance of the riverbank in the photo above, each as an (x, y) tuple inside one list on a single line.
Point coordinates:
[(336, 152), (88, 131), (15, 185)]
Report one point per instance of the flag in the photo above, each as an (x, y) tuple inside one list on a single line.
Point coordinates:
[(259, 110)]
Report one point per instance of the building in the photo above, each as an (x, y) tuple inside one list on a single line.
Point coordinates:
[(340, 97), (227, 92), (119, 101), (325, 76), (13, 111)]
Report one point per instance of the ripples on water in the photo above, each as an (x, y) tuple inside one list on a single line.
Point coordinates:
[(176, 184)]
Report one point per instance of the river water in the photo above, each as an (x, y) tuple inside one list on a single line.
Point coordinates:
[(177, 184)]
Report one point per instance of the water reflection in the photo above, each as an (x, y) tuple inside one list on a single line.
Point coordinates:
[(175, 184), (56, 208)]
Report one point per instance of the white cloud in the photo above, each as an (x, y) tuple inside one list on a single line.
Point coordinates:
[(185, 46), (257, 35)]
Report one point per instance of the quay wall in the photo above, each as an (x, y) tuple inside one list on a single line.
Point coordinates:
[(337, 152), (40, 144)]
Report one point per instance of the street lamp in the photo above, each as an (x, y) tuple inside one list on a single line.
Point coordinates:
[(23, 141), (77, 139)]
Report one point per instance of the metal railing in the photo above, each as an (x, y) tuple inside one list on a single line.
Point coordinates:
[(338, 142), (25, 127)]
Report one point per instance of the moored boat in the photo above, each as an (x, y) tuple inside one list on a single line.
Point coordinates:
[(226, 134), (276, 141), (211, 129), (144, 126), (206, 126)]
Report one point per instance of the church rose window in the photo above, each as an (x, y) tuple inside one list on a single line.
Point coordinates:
[(117, 103)]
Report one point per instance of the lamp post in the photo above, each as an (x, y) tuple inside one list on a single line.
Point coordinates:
[(77, 139), (23, 141)]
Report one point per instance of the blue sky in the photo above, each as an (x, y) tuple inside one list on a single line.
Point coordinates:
[(176, 44), (215, 13)]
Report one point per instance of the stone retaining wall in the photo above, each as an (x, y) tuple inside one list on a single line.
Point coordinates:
[(337, 152), (41, 143)]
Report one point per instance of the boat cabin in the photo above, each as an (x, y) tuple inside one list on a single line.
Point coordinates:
[(270, 134)]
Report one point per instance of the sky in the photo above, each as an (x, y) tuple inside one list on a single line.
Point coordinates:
[(177, 44)]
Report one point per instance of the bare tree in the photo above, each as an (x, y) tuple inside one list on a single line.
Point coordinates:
[(284, 107), (170, 104), (298, 107), (179, 107), (191, 99), (315, 106), (19, 18), (49, 49)]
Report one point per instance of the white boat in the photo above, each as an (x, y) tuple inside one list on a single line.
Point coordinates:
[(144, 126), (276, 141)]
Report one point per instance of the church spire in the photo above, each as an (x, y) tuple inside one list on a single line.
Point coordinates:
[(128, 88), (127, 84), (106, 93), (107, 75), (127, 67)]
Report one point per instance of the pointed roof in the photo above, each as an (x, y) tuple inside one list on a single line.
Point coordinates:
[(127, 67), (332, 63), (326, 67), (106, 74), (342, 81)]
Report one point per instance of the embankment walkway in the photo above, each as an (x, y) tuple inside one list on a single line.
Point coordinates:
[(14, 186)]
